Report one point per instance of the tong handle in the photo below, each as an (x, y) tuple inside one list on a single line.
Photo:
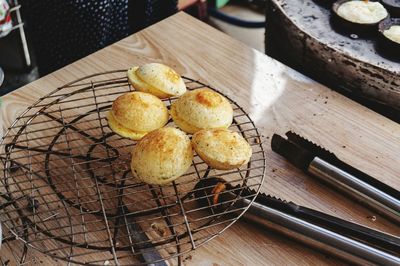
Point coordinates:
[(367, 190), (324, 165), (352, 230), (323, 238), (343, 227)]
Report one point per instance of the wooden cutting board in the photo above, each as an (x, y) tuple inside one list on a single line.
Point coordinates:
[(278, 99)]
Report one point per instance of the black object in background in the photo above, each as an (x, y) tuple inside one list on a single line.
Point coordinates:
[(62, 31)]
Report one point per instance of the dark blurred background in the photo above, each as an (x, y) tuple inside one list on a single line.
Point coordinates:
[(49, 34), (58, 32)]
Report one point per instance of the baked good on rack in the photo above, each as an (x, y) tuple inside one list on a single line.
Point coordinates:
[(162, 156), (221, 148), (201, 109), (157, 79), (362, 12), (134, 114)]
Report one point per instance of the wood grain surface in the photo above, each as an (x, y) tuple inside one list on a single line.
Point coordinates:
[(278, 99)]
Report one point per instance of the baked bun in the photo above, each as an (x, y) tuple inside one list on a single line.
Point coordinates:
[(162, 156), (221, 148), (201, 109), (134, 114), (157, 79), (362, 12)]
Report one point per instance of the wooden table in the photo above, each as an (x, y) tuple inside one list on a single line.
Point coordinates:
[(278, 99)]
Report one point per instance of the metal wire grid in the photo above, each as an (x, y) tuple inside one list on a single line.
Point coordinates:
[(68, 191)]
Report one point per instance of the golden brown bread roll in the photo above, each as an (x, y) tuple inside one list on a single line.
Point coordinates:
[(135, 114), (157, 79), (162, 156), (201, 109), (221, 148)]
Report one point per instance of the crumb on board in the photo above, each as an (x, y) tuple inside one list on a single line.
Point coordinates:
[(159, 229), (107, 262), (189, 257), (372, 218)]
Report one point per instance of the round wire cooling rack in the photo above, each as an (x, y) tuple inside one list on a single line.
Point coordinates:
[(69, 192)]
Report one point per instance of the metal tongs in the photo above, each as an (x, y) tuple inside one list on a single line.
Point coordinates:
[(324, 165), (349, 241)]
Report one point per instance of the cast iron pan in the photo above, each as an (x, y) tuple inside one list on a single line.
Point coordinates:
[(393, 6), (345, 26), (386, 46)]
